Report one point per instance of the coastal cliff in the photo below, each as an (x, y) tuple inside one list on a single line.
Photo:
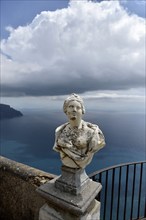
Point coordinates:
[(7, 112)]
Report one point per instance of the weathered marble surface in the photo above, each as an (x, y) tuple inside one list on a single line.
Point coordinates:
[(77, 141)]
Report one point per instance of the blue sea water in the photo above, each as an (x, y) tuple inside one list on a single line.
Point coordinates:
[(29, 139)]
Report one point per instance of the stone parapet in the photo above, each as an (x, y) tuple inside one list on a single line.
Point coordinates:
[(24, 172), (18, 197)]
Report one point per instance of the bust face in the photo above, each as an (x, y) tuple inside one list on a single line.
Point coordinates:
[(74, 110)]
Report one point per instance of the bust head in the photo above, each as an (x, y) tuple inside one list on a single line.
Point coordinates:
[(73, 97)]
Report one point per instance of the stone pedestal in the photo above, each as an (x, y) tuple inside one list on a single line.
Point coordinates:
[(72, 180), (70, 197)]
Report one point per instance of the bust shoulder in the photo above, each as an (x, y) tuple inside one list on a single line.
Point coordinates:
[(61, 127), (91, 126)]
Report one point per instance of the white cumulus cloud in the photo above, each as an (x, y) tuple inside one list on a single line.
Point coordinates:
[(87, 46)]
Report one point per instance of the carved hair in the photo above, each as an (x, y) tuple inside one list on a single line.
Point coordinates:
[(73, 97)]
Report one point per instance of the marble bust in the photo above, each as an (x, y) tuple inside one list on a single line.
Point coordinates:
[(77, 140)]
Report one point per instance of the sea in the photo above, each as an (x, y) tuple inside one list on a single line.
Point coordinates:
[(30, 139)]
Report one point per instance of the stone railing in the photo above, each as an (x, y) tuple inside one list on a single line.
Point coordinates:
[(18, 183)]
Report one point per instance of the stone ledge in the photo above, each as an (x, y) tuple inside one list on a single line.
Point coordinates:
[(34, 176)]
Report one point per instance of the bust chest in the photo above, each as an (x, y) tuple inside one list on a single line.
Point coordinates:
[(79, 138)]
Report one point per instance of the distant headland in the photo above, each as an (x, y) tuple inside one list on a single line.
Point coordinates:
[(7, 112)]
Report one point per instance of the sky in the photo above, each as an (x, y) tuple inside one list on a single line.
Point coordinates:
[(93, 48)]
